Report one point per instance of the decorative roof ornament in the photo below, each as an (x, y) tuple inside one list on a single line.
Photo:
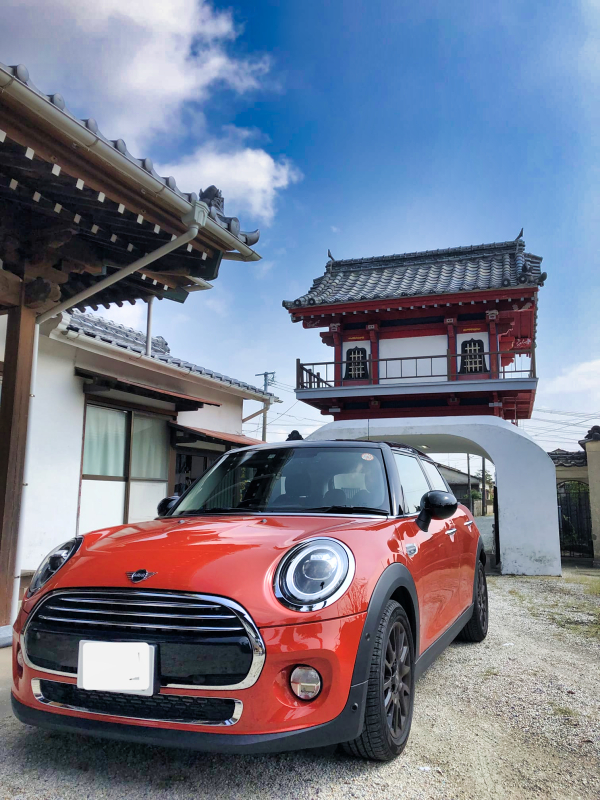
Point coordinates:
[(216, 209)]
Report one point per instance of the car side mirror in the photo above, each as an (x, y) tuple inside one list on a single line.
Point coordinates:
[(166, 504), (436, 505)]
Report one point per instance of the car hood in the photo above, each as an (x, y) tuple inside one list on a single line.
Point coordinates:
[(232, 556)]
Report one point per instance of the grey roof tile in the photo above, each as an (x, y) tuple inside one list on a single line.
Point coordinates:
[(564, 458), (130, 339), (450, 271)]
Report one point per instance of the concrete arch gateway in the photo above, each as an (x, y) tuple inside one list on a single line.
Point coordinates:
[(525, 477)]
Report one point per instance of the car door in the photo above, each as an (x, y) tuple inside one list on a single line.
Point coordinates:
[(457, 545), (435, 578)]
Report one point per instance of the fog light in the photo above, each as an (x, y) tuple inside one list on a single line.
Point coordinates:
[(305, 682)]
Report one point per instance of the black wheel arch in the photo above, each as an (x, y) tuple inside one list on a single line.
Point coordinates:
[(395, 583)]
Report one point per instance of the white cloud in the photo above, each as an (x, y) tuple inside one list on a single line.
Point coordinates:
[(336, 230), (262, 269), (143, 69), (248, 177), (584, 377)]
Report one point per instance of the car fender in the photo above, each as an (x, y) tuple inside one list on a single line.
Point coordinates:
[(396, 576)]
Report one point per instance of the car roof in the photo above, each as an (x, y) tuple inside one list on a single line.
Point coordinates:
[(337, 443)]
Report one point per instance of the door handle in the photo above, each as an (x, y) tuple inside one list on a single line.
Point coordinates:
[(451, 531), (470, 522)]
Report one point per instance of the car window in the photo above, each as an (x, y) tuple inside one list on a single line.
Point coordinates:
[(414, 483), (435, 478)]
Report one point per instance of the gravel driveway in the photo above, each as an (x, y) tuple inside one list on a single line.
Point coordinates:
[(515, 717)]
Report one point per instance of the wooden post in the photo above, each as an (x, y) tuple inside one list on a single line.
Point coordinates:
[(14, 411)]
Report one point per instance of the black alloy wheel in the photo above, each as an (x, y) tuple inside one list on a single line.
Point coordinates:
[(391, 689), (397, 679), (477, 627)]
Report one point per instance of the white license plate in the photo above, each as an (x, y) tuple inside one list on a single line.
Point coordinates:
[(124, 667)]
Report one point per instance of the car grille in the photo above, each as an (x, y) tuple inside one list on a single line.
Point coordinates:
[(203, 640), (166, 707)]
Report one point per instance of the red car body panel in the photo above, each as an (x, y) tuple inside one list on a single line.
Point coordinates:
[(236, 557)]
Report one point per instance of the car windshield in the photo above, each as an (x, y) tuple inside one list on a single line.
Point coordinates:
[(335, 480)]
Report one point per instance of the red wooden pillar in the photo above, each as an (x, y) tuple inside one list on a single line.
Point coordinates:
[(337, 351), (493, 337), (374, 337), (14, 412)]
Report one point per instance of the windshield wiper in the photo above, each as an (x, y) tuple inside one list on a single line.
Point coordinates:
[(349, 510), (199, 511)]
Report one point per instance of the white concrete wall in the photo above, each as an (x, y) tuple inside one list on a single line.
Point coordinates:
[(421, 370), (226, 418), (56, 428), (525, 478)]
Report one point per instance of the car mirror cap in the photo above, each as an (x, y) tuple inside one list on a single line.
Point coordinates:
[(437, 505)]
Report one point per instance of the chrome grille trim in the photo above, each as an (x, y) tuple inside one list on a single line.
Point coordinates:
[(212, 601), (146, 626), (237, 712)]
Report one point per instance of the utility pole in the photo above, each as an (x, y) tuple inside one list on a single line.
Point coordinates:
[(483, 489), (268, 378), (470, 504)]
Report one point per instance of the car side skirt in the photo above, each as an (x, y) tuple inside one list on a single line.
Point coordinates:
[(427, 658)]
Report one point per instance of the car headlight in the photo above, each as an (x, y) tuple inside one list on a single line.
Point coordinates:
[(314, 574), (52, 563)]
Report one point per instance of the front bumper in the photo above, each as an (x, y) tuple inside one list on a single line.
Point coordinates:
[(345, 727), (272, 718)]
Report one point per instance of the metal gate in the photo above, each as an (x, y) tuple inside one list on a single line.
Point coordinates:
[(575, 520)]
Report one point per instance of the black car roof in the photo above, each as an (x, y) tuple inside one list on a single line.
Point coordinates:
[(339, 443)]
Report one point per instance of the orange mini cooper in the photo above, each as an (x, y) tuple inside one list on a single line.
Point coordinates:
[(289, 599)]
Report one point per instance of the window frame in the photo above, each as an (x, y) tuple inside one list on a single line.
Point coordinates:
[(464, 357), (363, 363), (127, 478)]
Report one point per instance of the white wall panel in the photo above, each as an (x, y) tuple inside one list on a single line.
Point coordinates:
[(421, 370), (102, 505)]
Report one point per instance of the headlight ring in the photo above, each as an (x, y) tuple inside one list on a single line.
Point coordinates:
[(314, 574), (52, 563)]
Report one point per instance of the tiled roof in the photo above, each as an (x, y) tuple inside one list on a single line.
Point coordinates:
[(563, 458), (130, 339), (211, 196), (457, 269)]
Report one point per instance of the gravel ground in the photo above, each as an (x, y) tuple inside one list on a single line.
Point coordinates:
[(514, 717)]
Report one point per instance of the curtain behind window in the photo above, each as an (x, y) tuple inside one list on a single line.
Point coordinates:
[(149, 448), (104, 444)]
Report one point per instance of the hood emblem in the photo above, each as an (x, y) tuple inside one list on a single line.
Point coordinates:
[(139, 575)]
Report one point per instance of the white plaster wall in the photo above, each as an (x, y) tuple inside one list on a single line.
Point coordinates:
[(366, 343), (420, 371), (227, 418), (525, 478), (3, 322), (56, 428)]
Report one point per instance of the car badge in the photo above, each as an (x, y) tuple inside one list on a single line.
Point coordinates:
[(139, 575)]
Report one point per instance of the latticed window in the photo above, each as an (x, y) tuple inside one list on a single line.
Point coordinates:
[(356, 364), (473, 358)]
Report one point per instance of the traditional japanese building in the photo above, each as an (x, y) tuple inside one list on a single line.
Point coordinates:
[(435, 333)]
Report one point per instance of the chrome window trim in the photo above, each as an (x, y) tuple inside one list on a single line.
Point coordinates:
[(39, 696), (256, 640)]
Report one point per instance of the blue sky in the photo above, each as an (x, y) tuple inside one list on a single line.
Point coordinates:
[(364, 127)]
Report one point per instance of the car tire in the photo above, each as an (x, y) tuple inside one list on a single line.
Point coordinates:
[(477, 627), (391, 690)]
